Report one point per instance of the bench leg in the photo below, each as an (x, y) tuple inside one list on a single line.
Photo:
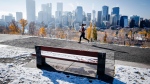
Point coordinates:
[(40, 61), (43, 61), (101, 65)]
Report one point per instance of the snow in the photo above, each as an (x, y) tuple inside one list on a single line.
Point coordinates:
[(11, 51), (19, 74), (132, 75), (70, 56)]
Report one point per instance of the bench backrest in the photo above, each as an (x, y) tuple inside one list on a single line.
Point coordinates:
[(69, 51)]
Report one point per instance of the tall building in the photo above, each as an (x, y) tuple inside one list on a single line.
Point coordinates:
[(88, 17), (8, 18), (40, 16), (19, 16), (59, 6), (69, 16), (124, 21), (99, 18), (113, 20), (84, 16), (79, 15), (46, 13), (3, 17), (108, 17), (136, 19), (48, 9), (13, 18), (116, 11), (105, 24), (30, 9), (58, 14), (59, 9), (65, 20), (105, 13), (94, 13)]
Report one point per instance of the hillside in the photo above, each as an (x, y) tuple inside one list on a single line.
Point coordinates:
[(131, 54)]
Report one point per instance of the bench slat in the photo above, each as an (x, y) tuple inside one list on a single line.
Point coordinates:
[(67, 59), (68, 51)]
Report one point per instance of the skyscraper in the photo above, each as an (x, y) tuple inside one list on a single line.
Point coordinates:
[(136, 19), (99, 18), (84, 16), (47, 8), (79, 15), (58, 13), (8, 18), (70, 19), (88, 16), (59, 9), (46, 13), (18, 16), (60, 6), (113, 20), (105, 13), (40, 16), (65, 19), (93, 13), (30, 9), (124, 21), (116, 10), (3, 17)]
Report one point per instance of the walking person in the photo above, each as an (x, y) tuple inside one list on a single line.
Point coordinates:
[(82, 33)]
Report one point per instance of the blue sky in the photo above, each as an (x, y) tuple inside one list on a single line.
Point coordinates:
[(127, 7)]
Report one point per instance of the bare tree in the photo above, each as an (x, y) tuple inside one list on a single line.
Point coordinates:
[(32, 28), (1, 29)]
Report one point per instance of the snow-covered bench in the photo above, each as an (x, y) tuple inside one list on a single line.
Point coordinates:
[(101, 57)]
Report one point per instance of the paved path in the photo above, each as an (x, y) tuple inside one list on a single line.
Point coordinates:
[(76, 68)]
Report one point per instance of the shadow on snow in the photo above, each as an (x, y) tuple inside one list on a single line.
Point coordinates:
[(56, 76)]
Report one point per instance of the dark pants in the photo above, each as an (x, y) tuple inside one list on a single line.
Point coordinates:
[(83, 35)]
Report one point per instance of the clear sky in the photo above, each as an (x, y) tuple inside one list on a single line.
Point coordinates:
[(127, 7)]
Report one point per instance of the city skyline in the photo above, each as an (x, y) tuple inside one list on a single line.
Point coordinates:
[(127, 7)]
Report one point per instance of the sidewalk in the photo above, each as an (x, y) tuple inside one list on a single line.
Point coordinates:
[(76, 68)]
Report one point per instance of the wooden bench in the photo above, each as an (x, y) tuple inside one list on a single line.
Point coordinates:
[(40, 59)]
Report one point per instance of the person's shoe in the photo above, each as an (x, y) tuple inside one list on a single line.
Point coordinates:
[(79, 42), (88, 41)]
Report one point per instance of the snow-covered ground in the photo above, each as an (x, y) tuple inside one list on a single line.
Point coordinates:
[(132, 75), (18, 74), (7, 51)]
